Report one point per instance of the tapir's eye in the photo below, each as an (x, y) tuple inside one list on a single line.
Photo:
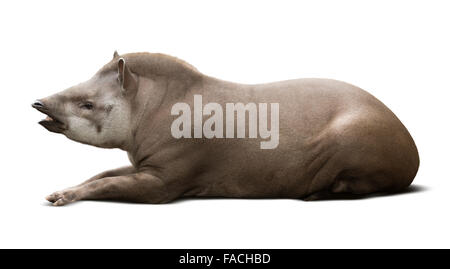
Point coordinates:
[(87, 105)]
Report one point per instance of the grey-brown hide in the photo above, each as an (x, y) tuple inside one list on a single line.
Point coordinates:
[(334, 137)]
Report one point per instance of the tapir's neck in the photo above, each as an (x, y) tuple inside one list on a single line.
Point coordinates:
[(151, 115)]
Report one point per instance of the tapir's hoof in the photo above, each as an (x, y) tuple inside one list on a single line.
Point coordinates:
[(316, 196), (60, 198)]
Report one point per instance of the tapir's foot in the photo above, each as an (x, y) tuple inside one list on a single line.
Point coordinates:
[(63, 197)]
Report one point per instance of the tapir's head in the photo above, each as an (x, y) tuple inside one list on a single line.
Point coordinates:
[(96, 112)]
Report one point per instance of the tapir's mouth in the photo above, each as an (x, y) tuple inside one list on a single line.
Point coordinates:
[(52, 123)]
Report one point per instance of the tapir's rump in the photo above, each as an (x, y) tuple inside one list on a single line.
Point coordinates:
[(188, 134)]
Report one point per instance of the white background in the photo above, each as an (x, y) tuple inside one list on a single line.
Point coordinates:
[(397, 50)]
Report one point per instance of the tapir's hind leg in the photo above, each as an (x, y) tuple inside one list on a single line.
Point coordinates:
[(366, 184), (374, 155)]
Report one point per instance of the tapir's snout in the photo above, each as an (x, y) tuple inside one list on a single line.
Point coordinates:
[(37, 104), (52, 123)]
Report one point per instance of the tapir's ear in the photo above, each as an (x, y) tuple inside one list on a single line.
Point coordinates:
[(128, 80), (115, 54)]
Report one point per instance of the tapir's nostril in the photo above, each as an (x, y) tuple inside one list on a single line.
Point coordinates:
[(37, 104)]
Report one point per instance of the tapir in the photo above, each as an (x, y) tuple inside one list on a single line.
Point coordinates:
[(333, 138)]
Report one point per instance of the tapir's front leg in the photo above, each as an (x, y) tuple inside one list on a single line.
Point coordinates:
[(138, 187), (122, 171), (127, 170)]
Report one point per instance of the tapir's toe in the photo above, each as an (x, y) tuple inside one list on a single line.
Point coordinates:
[(61, 202), (53, 197)]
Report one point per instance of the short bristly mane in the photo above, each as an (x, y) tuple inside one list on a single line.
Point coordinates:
[(153, 64)]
